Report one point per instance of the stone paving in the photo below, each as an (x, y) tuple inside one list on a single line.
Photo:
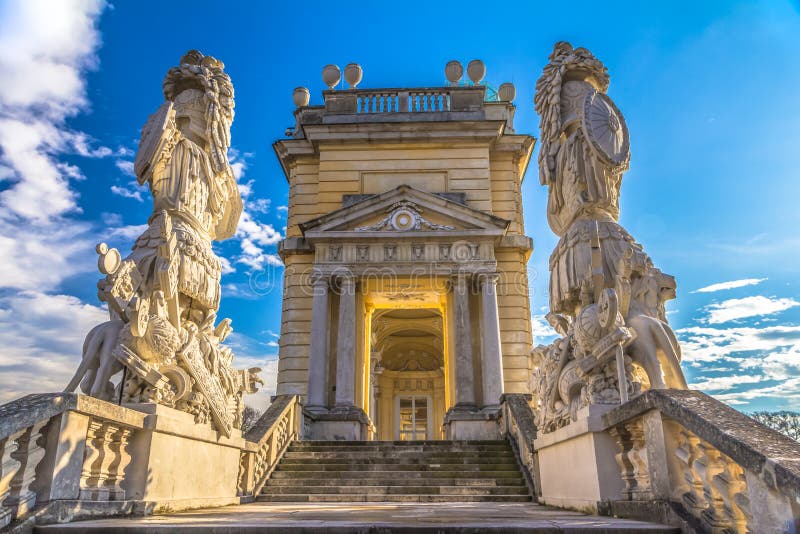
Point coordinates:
[(370, 518)]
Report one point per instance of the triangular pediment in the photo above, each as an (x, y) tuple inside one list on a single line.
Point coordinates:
[(404, 210)]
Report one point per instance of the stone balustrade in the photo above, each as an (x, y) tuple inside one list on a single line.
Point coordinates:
[(518, 426), (267, 441), (67, 456), (63, 447), (689, 458)]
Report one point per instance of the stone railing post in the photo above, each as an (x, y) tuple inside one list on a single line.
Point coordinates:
[(267, 441)]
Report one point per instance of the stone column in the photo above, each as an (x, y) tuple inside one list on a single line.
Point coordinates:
[(492, 368), (318, 346), (465, 388), (346, 344)]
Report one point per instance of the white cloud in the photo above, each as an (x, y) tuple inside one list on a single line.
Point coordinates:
[(227, 267), (249, 352), (39, 257), (709, 344), (125, 166), (131, 190), (41, 336), (733, 309), (42, 62), (733, 284), (127, 233), (721, 383), (542, 332), (254, 236)]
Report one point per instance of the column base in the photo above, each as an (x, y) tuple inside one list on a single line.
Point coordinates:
[(469, 423), (341, 423), (593, 475)]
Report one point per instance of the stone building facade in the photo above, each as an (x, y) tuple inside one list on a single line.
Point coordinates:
[(406, 312)]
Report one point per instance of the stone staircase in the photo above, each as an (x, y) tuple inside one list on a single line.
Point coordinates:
[(397, 471)]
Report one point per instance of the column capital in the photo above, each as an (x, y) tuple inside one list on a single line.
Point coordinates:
[(488, 278), (320, 279)]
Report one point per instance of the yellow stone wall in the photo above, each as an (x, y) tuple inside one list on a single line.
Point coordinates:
[(491, 181)]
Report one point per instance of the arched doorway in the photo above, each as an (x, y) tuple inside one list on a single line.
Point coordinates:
[(408, 374)]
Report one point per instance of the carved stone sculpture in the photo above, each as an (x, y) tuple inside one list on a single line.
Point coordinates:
[(606, 297), (164, 297)]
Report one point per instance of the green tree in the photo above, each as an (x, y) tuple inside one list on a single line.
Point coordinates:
[(787, 423), (249, 418)]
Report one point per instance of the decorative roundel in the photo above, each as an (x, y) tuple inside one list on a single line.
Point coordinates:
[(178, 379), (109, 259), (605, 129), (403, 219), (608, 308)]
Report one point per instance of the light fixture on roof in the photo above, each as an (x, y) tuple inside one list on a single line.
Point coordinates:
[(352, 74), (476, 70), (331, 75), (453, 71)]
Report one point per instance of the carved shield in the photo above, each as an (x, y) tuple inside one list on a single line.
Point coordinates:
[(605, 129), (153, 138)]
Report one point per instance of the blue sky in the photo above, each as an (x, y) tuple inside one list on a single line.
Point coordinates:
[(708, 90)]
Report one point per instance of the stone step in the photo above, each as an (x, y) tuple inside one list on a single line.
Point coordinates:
[(396, 474), (398, 481), (396, 466), (432, 442), (395, 490), (382, 455), (403, 460), (392, 448), (375, 497)]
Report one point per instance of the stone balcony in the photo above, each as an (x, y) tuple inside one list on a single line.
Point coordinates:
[(405, 105)]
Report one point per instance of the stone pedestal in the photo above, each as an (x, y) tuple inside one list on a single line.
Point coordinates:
[(341, 424), (178, 464), (577, 463), (473, 425)]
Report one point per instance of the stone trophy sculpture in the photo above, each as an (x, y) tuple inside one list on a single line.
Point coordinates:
[(163, 298), (606, 297)]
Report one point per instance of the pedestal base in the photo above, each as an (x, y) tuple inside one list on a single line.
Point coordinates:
[(176, 459), (339, 424), (467, 424), (577, 463)]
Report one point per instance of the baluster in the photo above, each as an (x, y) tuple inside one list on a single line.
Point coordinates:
[(8, 469), (687, 453), (29, 453), (93, 456), (430, 103), (713, 466), (446, 102), (393, 103), (360, 106), (118, 448), (733, 486)]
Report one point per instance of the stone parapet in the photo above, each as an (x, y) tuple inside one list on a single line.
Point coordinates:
[(715, 467), (68, 457)]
